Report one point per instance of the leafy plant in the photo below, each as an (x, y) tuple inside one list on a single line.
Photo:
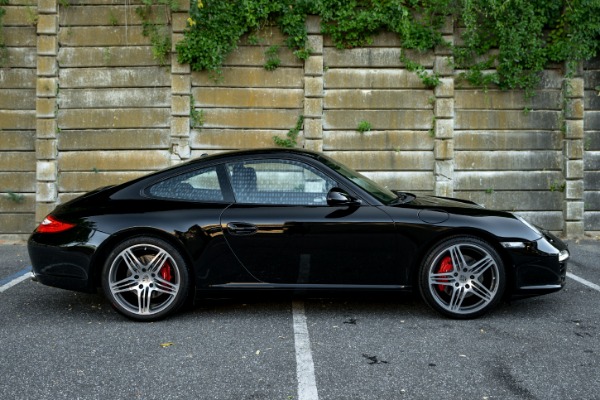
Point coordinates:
[(196, 117), (16, 198), (292, 135), (273, 61), (156, 26), (363, 126)]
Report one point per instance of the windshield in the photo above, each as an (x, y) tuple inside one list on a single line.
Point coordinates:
[(381, 193)]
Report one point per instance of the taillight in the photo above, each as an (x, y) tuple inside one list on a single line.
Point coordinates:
[(52, 225)]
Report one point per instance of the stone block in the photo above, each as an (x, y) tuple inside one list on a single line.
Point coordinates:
[(379, 119), (181, 84), (115, 139), (91, 36), (400, 141), (574, 190), (270, 98), (18, 140), (313, 108), (180, 126), (45, 107), (179, 69), (46, 87), (114, 118), (574, 129), (313, 24), (17, 182), (117, 57), (444, 128), (17, 99), (16, 161), (443, 65), (444, 149), (573, 149), (506, 120), (315, 44), (444, 108), (508, 160), (43, 209), (115, 160), (576, 88), (574, 169), (575, 109), (86, 181), (313, 128), (313, 86), (476, 99), (506, 180), (251, 118), (47, 24), (444, 188), (179, 22), (46, 128), (47, 45), (573, 229), (314, 145), (47, 6), (115, 98), (256, 77), (444, 170), (574, 210), (445, 88), (47, 66), (218, 139), (385, 160), (46, 192), (314, 66), (411, 181), (17, 119), (180, 106), (372, 79), (361, 99), (46, 149), (46, 171), (507, 140), (138, 77)]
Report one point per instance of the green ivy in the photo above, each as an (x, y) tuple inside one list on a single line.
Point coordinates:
[(155, 26), (292, 135), (504, 42)]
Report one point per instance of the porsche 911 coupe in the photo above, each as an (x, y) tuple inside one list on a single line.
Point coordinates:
[(287, 220)]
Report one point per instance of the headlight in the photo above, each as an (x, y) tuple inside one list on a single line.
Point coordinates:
[(529, 225)]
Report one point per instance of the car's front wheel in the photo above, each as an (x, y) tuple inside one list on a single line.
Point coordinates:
[(145, 278), (462, 277)]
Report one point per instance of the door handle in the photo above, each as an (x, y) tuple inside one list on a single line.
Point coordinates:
[(241, 228)]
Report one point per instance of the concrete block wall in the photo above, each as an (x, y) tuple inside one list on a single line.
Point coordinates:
[(84, 104), (18, 121), (591, 146)]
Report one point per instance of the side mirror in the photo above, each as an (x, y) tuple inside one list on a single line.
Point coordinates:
[(338, 197)]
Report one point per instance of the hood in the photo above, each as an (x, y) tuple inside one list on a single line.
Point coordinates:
[(443, 202)]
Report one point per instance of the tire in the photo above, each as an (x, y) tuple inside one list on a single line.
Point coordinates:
[(145, 279), (462, 277)]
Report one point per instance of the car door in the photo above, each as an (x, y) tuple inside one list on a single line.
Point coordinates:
[(283, 231)]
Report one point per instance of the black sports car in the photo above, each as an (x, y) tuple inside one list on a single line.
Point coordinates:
[(276, 219)]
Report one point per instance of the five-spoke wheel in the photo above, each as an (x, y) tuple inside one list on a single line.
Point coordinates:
[(462, 277), (145, 278)]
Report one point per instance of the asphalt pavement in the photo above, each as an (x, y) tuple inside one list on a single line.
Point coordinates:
[(56, 344)]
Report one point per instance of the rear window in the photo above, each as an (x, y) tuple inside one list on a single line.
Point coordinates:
[(199, 185)]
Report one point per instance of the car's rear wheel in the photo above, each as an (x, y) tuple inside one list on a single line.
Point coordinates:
[(145, 278), (462, 277)]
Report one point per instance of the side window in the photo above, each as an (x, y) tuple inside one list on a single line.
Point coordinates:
[(200, 185), (284, 182)]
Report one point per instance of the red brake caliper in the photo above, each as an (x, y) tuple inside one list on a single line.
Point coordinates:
[(165, 272), (445, 266)]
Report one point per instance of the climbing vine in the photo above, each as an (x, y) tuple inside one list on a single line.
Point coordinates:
[(503, 42), (155, 16)]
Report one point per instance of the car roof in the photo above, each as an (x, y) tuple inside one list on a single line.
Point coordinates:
[(257, 151)]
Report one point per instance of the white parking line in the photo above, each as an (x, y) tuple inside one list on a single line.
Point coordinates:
[(305, 369), (583, 281), (14, 279)]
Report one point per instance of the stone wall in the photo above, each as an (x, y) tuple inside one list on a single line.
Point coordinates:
[(84, 104)]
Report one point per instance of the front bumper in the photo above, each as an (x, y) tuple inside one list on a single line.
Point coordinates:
[(540, 266)]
